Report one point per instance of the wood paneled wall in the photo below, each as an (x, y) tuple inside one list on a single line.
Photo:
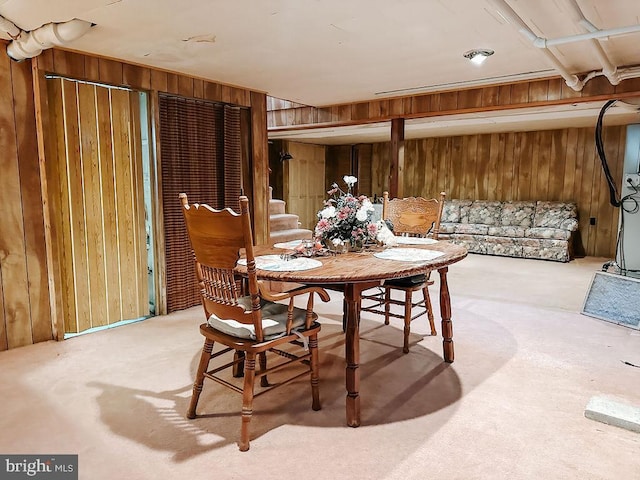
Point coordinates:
[(25, 313), (303, 192), (553, 91), (95, 187), (541, 165), (28, 306)]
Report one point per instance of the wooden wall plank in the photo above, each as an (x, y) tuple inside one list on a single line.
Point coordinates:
[(13, 264), (185, 86), (509, 172), (109, 207), (57, 176), (494, 166), (570, 159), (491, 96), (538, 91), (93, 207), (159, 80), (471, 98), (470, 151), (69, 64), (92, 68), (456, 187), (76, 209), (557, 163), (541, 162), (32, 205), (520, 92), (173, 83), (448, 101), (136, 77), (483, 153), (110, 71), (126, 219)]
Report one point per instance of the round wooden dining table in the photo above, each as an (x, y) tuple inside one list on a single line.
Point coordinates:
[(354, 272)]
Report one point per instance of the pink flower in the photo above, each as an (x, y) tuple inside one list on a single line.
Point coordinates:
[(323, 225)]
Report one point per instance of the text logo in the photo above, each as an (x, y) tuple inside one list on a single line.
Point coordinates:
[(39, 467)]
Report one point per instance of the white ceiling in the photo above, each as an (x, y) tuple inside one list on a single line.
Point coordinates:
[(323, 52)]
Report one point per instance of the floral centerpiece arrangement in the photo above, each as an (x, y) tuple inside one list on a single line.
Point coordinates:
[(345, 221)]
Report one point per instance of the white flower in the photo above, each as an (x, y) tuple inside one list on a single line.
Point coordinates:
[(337, 241), (349, 180), (361, 214), (328, 212), (367, 205)]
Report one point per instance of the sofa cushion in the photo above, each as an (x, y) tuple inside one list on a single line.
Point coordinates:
[(545, 249), (504, 246), (546, 232), (489, 245), (506, 231), (556, 215), (452, 211), (517, 213), (473, 243), (485, 212), (471, 229)]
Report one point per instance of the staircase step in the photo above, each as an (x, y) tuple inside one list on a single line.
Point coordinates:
[(276, 206), (288, 235), (283, 221)]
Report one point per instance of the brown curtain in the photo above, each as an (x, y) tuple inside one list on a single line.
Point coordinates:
[(200, 152)]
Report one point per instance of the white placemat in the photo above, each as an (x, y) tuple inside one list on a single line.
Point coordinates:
[(415, 241), (408, 254), (288, 245), (276, 264)]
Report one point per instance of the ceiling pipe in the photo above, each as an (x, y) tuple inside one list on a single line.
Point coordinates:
[(31, 44), (608, 69), (513, 18), (613, 74)]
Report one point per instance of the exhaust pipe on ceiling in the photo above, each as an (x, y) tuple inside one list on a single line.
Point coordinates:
[(31, 44)]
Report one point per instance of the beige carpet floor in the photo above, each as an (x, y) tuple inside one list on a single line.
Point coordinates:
[(511, 406)]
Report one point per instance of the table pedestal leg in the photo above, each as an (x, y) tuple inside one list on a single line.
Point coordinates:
[(445, 314), (352, 353)]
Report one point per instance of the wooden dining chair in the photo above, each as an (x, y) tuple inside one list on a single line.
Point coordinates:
[(246, 324), (416, 217)]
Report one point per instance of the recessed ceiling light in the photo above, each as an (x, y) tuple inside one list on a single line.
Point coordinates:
[(478, 56)]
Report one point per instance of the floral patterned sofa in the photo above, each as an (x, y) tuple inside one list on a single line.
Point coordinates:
[(526, 229)]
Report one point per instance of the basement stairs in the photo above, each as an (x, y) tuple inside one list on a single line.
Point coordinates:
[(283, 226)]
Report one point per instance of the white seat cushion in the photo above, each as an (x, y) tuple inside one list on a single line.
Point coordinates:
[(274, 321)]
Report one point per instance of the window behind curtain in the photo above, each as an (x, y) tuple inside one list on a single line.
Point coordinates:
[(200, 154)]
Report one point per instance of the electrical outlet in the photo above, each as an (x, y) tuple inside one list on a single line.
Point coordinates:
[(632, 179)]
